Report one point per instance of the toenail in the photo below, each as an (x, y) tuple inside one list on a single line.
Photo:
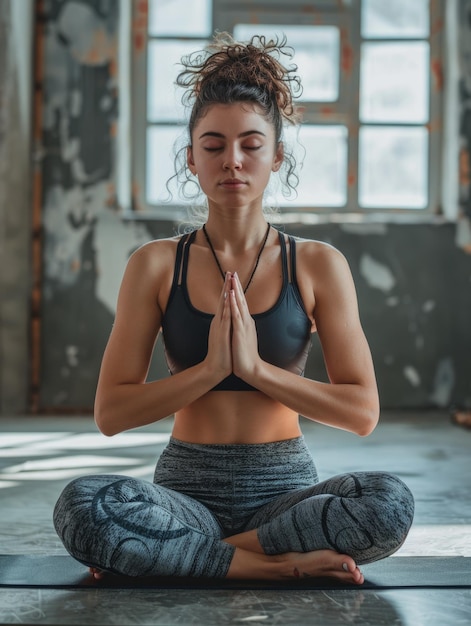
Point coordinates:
[(345, 567)]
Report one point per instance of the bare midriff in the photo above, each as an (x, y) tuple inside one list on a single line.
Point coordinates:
[(235, 417)]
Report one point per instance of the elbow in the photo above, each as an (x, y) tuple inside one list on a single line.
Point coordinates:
[(104, 427), (104, 422), (366, 429), (105, 430), (368, 422)]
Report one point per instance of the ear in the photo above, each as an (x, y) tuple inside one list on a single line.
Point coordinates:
[(279, 156), (190, 161)]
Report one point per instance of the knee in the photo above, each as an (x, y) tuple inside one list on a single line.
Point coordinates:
[(73, 504), (396, 495), (67, 498), (394, 508), (64, 506), (384, 515)]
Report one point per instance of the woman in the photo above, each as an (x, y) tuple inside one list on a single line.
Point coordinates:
[(236, 492)]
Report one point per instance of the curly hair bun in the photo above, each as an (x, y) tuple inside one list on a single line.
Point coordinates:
[(230, 67)]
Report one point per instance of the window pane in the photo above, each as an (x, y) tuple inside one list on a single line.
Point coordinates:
[(395, 18), (393, 165), (163, 96), (322, 151), (317, 55), (161, 141), (395, 82), (179, 18)]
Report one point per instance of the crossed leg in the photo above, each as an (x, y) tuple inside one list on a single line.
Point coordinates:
[(139, 529), (367, 514), (246, 564), (254, 564)]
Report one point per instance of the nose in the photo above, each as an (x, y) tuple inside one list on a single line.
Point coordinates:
[(232, 160)]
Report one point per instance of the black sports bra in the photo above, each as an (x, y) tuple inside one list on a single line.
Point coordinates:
[(283, 331)]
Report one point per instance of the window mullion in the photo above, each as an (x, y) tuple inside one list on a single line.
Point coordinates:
[(352, 47)]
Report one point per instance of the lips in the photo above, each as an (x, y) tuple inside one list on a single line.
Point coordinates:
[(233, 183)]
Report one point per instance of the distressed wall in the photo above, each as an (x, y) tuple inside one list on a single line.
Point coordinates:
[(413, 281), (86, 244), (15, 196), (414, 290)]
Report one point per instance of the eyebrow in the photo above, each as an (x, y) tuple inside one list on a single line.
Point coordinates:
[(222, 136)]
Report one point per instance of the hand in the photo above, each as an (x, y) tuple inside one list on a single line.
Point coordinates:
[(244, 333), (219, 356)]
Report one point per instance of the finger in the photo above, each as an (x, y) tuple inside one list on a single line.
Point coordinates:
[(222, 304), (236, 284), (235, 311), (239, 293)]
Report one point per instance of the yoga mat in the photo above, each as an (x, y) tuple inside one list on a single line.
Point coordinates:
[(394, 572)]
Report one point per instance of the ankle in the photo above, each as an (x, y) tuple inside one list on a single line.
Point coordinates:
[(246, 541), (246, 564), (284, 566)]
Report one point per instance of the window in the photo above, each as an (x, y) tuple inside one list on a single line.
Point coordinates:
[(371, 74), (394, 107)]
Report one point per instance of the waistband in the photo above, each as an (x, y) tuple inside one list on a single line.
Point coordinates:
[(272, 448)]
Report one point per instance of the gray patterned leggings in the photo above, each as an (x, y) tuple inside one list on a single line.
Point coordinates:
[(204, 493)]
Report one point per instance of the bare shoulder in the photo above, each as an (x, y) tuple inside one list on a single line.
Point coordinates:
[(154, 258), (149, 272), (321, 271), (155, 251), (320, 259)]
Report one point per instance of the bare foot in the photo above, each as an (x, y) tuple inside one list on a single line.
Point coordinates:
[(321, 564), (97, 573), (316, 564)]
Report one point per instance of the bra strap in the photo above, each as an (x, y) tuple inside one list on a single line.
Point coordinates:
[(178, 260), (186, 252), (284, 258), (292, 256)]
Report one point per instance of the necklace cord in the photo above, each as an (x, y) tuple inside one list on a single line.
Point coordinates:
[(257, 260)]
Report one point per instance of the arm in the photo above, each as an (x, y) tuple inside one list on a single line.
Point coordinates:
[(350, 400), (124, 400)]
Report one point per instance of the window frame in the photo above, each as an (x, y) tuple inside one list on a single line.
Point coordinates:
[(345, 111)]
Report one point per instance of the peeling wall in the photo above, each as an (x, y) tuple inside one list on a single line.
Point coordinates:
[(15, 174), (86, 244), (413, 281), (414, 291)]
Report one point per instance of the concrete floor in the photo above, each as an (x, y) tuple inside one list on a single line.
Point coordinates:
[(39, 455)]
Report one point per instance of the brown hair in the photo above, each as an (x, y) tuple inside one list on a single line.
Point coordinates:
[(228, 71)]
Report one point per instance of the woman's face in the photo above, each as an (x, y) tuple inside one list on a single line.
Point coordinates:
[(233, 153)]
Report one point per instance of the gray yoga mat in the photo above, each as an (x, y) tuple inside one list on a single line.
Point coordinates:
[(394, 572)]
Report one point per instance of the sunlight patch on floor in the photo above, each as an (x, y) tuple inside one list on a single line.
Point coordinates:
[(41, 443), (60, 465), (437, 540)]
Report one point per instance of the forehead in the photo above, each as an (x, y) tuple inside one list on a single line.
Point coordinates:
[(233, 118)]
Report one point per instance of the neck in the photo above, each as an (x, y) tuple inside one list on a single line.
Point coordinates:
[(257, 259), (235, 234)]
